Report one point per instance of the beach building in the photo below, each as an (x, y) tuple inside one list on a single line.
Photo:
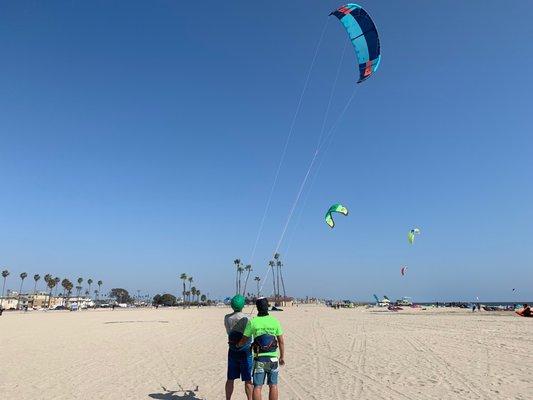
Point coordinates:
[(38, 300), (57, 301), (281, 301), (9, 302), (42, 300), (79, 302)]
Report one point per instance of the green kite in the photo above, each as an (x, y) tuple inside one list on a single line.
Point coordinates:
[(411, 235), (338, 208)]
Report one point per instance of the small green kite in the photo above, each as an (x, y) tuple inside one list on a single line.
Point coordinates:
[(411, 235), (338, 208)]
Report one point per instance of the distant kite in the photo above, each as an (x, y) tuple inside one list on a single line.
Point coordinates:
[(403, 271), (411, 235), (335, 208)]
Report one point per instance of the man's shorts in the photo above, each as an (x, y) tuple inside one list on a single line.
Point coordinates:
[(266, 367), (240, 365)]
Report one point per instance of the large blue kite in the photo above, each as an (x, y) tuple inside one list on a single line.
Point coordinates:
[(364, 37)]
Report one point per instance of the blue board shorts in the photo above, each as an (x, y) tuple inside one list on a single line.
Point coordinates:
[(266, 367), (240, 364)]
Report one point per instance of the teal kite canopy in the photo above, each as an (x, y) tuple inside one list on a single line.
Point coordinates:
[(335, 208), (364, 37)]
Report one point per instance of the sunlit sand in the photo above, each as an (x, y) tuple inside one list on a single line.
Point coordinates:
[(331, 354)]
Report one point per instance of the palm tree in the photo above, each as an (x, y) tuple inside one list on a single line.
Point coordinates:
[(272, 264), (183, 277), (280, 264), (51, 283), (36, 278), (240, 269), (257, 279), (190, 279), (198, 293), (47, 278), (57, 280), (5, 274), (23, 276), (278, 271), (237, 263), (248, 269), (67, 287), (78, 290), (193, 293), (203, 298), (187, 293), (64, 284), (95, 294), (99, 283), (276, 291), (89, 282)]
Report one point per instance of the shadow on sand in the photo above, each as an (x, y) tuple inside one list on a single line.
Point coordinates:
[(173, 395)]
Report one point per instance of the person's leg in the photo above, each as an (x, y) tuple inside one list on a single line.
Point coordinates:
[(272, 380), (248, 389), (229, 388), (259, 379), (272, 392), (257, 392), (233, 373), (247, 364)]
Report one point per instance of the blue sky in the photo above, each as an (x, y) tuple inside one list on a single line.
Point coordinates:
[(140, 139)]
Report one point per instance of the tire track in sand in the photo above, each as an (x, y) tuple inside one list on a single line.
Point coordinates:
[(336, 365), (323, 343), (432, 357)]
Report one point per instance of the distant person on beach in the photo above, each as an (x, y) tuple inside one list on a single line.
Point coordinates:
[(240, 359), (1, 310), (474, 308), (524, 312), (268, 338)]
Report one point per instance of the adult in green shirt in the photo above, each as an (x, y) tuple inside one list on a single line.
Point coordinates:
[(268, 347)]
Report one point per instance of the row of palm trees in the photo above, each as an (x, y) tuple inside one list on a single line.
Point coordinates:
[(240, 268), (52, 283), (192, 293), (277, 277)]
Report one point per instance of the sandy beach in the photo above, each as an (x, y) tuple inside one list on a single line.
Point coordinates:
[(331, 354)]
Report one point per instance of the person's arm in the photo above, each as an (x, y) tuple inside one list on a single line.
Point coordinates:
[(246, 335), (243, 341), (226, 325), (281, 345)]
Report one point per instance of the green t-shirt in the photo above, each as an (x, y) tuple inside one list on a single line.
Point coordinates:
[(267, 325)]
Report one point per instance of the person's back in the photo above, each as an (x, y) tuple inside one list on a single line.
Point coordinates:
[(265, 330), (268, 347), (235, 324), (240, 360)]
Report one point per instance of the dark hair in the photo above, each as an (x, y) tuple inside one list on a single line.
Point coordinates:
[(262, 306)]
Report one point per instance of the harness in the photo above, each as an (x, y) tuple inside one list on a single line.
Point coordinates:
[(265, 344)]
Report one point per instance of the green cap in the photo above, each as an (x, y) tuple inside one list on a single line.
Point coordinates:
[(237, 302)]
